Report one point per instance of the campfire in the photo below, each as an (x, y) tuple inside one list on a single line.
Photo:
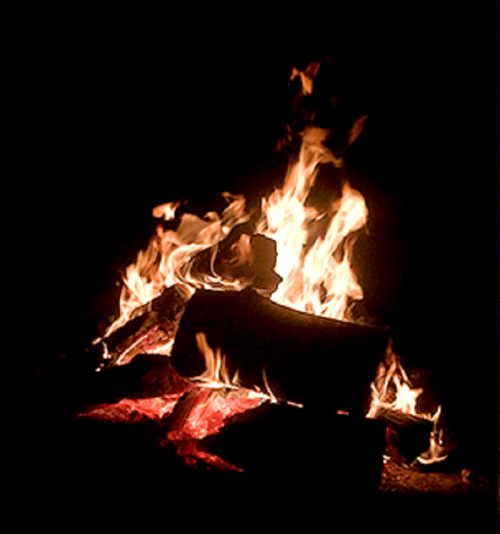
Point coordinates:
[(248, 320)]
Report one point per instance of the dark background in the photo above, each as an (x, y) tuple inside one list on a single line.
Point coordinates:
[(113, 115)]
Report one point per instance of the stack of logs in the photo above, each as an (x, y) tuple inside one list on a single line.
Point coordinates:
[(323, 364)]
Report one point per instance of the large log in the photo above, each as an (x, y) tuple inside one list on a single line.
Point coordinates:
[(307, 359)]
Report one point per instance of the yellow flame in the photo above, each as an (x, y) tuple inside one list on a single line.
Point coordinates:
[(170, 256), (316, 271), (393, 389), (216, 376), (314, 280), (216, 373)]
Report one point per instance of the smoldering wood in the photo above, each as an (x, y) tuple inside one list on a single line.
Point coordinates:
[(306, 358), (161, 317)]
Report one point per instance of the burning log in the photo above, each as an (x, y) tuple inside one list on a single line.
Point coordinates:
[(407, 435), (302, 358), (150, 326)]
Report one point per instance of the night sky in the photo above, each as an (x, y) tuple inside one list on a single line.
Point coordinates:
[(113, 119)]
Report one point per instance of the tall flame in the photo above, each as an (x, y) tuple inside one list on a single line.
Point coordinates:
[(314, 280)]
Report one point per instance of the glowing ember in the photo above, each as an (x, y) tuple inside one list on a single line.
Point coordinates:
[(213, 399), (133, 410)]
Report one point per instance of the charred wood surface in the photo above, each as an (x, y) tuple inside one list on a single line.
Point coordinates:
[(306, 358)]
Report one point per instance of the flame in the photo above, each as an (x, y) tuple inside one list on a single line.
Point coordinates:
[(316, 271), (306, 76), (171, 254), (392, 389), (314, 279), (216, 373), (167, 211), (214, 398)]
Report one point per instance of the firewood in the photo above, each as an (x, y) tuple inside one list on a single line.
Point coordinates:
[(407, 435), (399, 420), (147, 376), (158, 319), (305, 358), (305, 453)]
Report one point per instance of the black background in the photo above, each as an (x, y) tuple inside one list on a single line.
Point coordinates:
[(113, 114)]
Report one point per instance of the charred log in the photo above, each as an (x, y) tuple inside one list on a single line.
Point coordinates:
[(306, 358)]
